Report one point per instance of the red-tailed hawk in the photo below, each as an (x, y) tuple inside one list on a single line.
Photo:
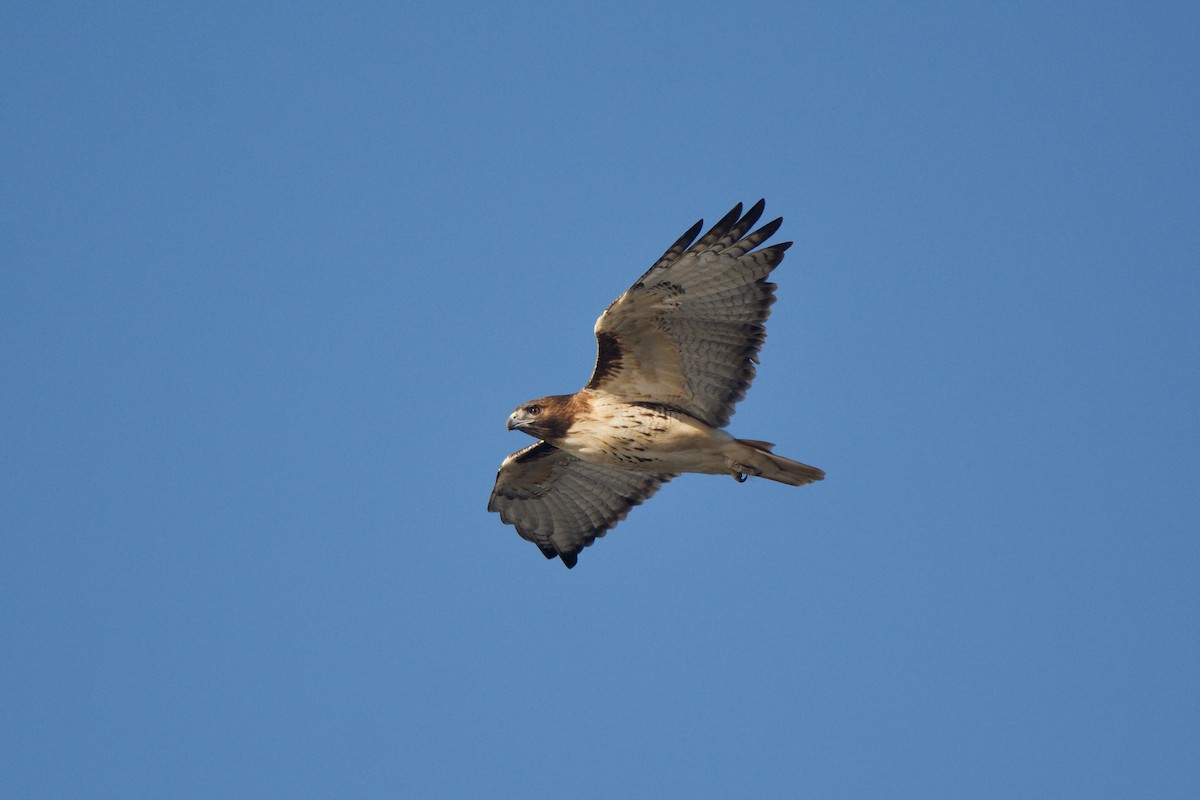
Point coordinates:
[(676, 353)]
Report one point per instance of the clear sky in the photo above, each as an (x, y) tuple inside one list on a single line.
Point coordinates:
[(272, 277)]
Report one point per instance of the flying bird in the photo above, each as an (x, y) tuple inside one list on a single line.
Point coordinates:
[(675, 353)]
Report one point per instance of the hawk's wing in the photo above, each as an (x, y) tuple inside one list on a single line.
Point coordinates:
[(562, 504), (687, 334)]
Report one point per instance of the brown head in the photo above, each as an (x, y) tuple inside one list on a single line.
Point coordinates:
[(546, 418)]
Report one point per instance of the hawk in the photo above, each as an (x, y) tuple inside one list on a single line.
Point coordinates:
[(675, 353)]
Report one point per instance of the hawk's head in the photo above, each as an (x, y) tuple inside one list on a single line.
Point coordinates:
[(546, 418)]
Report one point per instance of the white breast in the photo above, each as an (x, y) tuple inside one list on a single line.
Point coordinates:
[(642, 438)]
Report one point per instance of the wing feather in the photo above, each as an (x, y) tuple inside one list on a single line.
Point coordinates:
[(562, 504), (687, 334)]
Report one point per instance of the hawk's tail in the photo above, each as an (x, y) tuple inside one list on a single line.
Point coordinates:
[(757, 459)]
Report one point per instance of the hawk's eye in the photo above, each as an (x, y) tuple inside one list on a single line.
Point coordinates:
[(533, 411)]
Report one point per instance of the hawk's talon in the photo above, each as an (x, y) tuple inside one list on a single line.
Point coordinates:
[(740, 477)]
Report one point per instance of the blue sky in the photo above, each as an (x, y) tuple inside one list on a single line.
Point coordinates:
[(274, 276)]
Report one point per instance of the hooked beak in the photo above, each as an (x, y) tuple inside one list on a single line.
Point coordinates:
[(514, 423)]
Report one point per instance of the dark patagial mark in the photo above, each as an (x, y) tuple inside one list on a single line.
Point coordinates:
[(608, 358), (534, 452)]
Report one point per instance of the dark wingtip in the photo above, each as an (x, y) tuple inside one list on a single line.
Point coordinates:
[(548, 552), (718, 230), (569, 559), (730, 219), (768, 230), (757, 209)]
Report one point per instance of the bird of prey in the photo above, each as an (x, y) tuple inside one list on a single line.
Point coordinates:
[(676, 352)]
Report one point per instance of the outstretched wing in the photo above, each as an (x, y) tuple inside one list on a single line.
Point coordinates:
[(562, 504), (687, 334)]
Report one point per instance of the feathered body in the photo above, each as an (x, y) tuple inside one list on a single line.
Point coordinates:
[(675, 353)]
